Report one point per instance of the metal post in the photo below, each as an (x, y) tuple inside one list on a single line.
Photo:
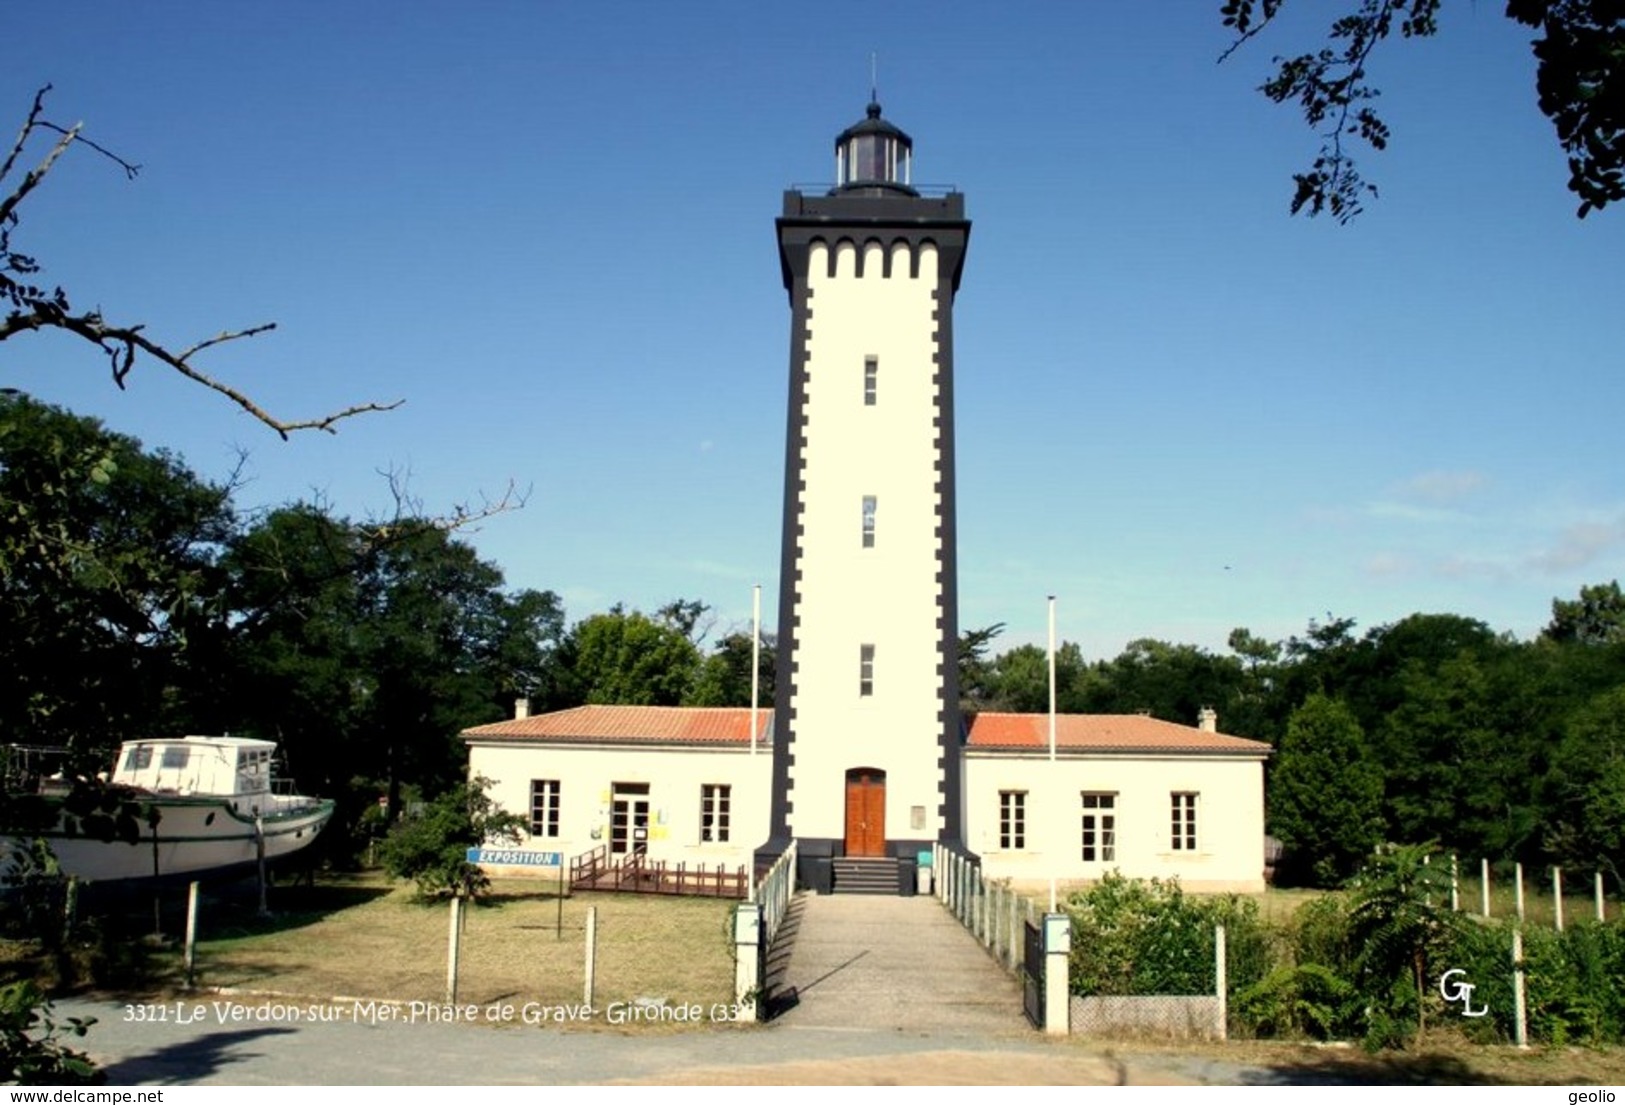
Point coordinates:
[(592, 954), (1517, 874), (1052, 682), (1601, 909), (1520, 1016), (755, 658), (1557, 896), (1221, 980), (558, 925), (1484, 886), (1455, 884), (453, 947), (191, 933)]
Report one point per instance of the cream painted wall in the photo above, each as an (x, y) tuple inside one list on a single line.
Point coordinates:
[(887, 595), (1229, 851), (674, 775)]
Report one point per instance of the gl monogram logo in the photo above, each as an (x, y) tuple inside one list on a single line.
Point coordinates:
[(1452, 991)]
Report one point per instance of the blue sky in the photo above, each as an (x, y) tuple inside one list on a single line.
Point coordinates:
[(549, 229)]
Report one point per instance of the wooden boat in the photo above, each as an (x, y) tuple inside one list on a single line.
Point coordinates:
[(216, 807)]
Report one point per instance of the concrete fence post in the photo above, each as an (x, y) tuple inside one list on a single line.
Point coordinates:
[(1520, 1012), (191, 934), (1455, 884), (591, 956), (1221, 982), (1057, 936), (1601, 909), (1016, 933), (748, 960), (1484, 886), (1557, 896), (453, 948), (1517, 875)]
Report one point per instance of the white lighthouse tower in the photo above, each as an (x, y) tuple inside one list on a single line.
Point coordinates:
[(868, 736)]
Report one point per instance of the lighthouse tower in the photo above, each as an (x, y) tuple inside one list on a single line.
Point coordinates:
[(867, 744)]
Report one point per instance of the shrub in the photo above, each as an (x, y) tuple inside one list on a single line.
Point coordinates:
[(32, 1052), (431, 847)]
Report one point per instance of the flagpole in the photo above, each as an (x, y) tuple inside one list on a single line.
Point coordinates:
[(1052, 678), (755, 658)]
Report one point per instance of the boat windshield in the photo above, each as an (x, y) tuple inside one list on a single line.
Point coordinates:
[(138, 758)]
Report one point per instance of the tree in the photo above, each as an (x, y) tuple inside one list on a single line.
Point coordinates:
[(32, 306), (1398, 918), (1597, 617), (364, 650), (1580, 48), (1586, 788), (1325, 795), (431, 847), (724, 676), (108, 577), (975, 668), (629, 659)]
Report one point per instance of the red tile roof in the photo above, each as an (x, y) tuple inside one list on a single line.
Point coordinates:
[(730, 725), (633, 724), (1102, 733)]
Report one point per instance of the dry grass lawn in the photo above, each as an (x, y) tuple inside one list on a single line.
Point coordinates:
[(367, 938)]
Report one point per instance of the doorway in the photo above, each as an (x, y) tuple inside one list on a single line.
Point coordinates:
[(629, 819), (865, 812)]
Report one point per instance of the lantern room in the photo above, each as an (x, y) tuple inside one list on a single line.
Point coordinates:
[(874, 155)]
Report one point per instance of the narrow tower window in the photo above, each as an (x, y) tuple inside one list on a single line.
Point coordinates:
[(868, 521), (866, 670), (871, 374)]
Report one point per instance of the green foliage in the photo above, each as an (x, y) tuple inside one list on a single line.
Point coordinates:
[(1130, 936), (1585, 789), (431, 847), (32, 1047), (107, 577), (723, 678), (1399, 919), (1303, 1000), (1579, 48), (1325, 795), (1597, 617), (631, 659)]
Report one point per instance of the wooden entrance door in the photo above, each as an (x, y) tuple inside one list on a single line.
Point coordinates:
[(865, 812)]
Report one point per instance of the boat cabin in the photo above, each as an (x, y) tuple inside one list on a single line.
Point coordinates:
[(196, 765)]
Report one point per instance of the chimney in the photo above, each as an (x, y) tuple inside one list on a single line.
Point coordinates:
[(521, 708), (1207, 720)]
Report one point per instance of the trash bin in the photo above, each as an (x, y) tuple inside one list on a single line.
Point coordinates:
[(923, 882)]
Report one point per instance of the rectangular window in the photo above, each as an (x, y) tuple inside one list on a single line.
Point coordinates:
[(175, 755), (715, 799), (1100, 828), (1012, 819), (868, 521), (1184, 821), (866, 670), (544, 807), (871, 375)]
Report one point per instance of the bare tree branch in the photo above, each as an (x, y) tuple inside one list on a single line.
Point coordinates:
[(36, 308)]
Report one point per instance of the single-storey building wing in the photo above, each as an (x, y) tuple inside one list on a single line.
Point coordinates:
[(681, 785)]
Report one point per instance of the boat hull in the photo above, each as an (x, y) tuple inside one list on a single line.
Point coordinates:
[(195, 836)]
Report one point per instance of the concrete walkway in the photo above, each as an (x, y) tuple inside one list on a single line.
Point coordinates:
[(856, 961)]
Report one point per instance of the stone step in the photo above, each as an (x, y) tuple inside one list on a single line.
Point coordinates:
[(865, 876)]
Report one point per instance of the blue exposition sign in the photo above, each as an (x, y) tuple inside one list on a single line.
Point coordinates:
[(514, 857)]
